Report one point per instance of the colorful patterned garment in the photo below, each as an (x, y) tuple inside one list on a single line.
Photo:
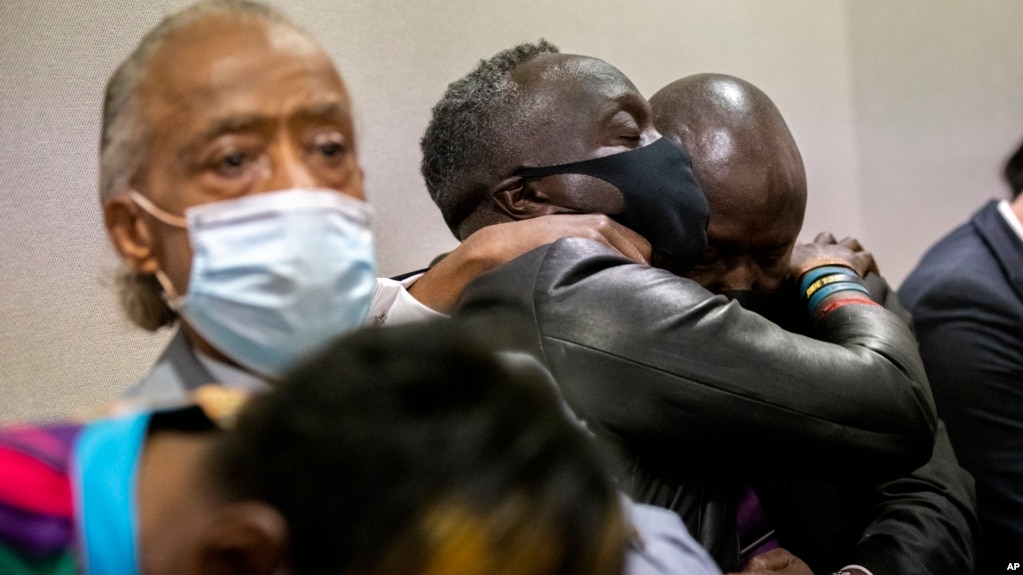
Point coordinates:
[(68, 496), (37, 530), (67, 492)]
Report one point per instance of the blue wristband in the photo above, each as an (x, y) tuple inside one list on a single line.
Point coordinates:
[(828, 279), (817, 273), (832, 288)]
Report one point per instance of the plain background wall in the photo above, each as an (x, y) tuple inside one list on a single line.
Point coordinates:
[(904, 112), (938, 94)]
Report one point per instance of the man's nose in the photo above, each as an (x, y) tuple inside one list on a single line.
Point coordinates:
[(289, 170), (741, 276)]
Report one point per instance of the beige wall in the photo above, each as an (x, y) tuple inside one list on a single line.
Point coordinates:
[(938, 109), (64, 343)]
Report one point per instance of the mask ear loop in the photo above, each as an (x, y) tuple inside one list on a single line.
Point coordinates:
[(152, 209), (170, 295)]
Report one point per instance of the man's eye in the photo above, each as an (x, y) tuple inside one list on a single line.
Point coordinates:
[(231, 164), (770, 259), (710, 257), (233, 160), (630, 138), (331, 149), (329, 145)]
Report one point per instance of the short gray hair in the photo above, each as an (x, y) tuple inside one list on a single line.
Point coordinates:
[(122, 145), (460, 139)]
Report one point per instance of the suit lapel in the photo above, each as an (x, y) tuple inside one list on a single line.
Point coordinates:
[(1004, 243)]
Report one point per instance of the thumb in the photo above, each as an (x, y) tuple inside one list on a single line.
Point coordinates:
[(773, 560)]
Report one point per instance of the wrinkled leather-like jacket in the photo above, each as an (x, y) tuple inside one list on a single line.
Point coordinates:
[(691, 387)]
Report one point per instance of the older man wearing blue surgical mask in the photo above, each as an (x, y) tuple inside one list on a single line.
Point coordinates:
[(231, 189)]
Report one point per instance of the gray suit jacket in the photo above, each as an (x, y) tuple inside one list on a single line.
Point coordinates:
[(175, 374)]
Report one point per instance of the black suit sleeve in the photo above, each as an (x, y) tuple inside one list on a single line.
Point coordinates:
[(656, 362)]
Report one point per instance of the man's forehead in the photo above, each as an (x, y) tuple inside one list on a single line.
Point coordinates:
[(216, 50), (570, 73), (755, 196), (240, 71)]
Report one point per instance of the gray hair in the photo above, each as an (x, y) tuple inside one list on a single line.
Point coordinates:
[(460, 139), (123, 135)]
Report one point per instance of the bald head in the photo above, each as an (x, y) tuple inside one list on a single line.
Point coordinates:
[(751, 171)]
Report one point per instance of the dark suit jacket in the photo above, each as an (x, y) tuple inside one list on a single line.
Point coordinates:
[(693, 387), (966, 297)]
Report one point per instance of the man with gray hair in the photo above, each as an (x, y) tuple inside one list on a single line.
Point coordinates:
[(231, 116), (231, 188), (687, 383)]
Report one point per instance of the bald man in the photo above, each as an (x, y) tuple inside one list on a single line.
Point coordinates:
[(232, 190), (752, 173), (686, 382)]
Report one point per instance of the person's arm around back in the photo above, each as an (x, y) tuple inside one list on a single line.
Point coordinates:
[(655, 360), (441, 286)]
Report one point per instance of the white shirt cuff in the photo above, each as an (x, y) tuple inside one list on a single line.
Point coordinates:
[(392, 304)]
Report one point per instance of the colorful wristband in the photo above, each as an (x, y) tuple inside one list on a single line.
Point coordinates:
[(842, 302), (830, 289), (828, 279), (817, 273)]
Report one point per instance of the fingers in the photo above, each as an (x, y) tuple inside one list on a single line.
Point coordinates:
[(851, 243), (824, 238), (777, 562), (869, 263), (629, 243), (600, 228), (495, 245), (773, 560), (825, 247)]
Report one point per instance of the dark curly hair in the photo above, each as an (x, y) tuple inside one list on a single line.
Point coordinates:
[(1014, 172), (460, 138), (408, 449)]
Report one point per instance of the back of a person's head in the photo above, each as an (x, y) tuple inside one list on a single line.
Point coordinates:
[(416, 449), (1014, 172)]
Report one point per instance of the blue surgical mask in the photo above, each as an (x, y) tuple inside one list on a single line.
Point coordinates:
[(274, 276)]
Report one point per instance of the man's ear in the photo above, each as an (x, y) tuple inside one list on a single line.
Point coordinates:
[(522, 199), (130, 233), (247, 538)]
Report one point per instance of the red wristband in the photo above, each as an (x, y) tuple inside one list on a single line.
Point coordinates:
[(846, 301)]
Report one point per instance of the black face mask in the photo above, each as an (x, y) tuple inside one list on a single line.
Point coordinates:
[(663, 202)]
